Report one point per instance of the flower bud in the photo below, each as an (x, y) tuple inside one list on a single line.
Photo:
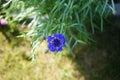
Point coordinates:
[(3, 22)]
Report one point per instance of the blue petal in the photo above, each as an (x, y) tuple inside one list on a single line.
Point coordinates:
[(62, 38), (51, 48), (59, 49), (49, 38), (56, 35)]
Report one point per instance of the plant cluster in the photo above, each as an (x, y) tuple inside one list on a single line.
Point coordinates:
[(75, 19)]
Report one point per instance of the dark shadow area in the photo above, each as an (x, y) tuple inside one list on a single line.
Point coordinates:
[(116, 1), (8, 32), (11, 35), (5, 31), (101, 61)]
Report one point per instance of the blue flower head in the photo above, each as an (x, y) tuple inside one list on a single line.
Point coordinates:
[(56, 42)]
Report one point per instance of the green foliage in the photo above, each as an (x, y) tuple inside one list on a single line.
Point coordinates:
[(76, 19), (9, 28)]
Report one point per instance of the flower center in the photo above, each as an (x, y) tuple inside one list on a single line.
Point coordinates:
[(56, 42)]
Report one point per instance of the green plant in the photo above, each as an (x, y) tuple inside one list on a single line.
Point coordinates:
[(8, 26), (75, 19)]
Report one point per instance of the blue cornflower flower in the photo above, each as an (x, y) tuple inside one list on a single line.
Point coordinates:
[(56, 42)]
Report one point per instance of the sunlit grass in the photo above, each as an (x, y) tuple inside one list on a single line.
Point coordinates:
[(15, 63)]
